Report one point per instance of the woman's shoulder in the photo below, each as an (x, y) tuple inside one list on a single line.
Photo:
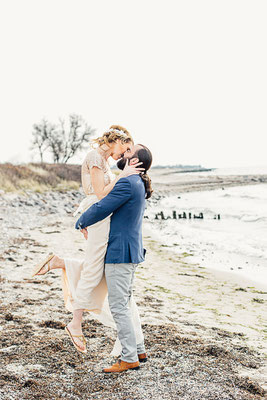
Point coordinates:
[(94, 159), (93, 153)]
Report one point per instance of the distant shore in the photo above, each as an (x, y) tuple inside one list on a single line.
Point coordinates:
[(167, 181), (40, 178)]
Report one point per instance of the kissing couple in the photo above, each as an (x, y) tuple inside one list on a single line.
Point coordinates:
[(111, 223)]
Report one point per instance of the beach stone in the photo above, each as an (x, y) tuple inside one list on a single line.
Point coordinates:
[(8, 349)]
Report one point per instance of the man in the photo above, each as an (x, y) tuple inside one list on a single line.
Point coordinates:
[(125, 250)]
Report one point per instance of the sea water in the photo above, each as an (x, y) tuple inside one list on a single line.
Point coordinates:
[(237, 242)]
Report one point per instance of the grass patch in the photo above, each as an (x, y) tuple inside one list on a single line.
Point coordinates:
[(257, 300), (39, 177), (163, 289), (258, 291), (185, 254), (150, 290)]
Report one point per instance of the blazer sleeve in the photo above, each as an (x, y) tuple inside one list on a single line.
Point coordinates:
[(119, 195)]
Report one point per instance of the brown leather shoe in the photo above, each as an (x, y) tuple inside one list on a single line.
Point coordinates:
[(142, 357), (121, 366)]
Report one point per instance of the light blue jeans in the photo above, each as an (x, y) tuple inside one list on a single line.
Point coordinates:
[(119, 279)]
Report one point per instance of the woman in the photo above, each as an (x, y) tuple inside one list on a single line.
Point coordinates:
[(84, 284)]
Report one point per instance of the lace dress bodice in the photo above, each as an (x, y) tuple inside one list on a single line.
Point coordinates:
[(94, 159)]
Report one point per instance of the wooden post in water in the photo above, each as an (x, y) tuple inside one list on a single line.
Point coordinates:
[(162, 215)]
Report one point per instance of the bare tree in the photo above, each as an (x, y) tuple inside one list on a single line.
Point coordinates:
[(62, 142), (55, 144), (40, 137), (76, 138)]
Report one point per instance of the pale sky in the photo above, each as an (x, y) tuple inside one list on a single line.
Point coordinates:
[(186, 78)]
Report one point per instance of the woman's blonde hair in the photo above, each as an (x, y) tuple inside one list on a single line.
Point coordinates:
[(114, 133)]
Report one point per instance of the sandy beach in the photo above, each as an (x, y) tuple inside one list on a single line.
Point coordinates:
[(204, 329), (174, 92)]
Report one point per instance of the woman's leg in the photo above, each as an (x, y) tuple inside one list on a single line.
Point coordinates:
[(75, 327), (84, 280)]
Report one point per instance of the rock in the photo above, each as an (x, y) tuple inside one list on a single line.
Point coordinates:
[(10, 259)]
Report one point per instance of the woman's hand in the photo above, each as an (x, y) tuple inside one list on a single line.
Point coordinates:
[(132, 168), (85, 233)]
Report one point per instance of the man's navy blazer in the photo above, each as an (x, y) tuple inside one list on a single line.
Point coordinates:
[(127, 203)]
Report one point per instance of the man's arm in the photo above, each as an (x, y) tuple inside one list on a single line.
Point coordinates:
[(119, 195)]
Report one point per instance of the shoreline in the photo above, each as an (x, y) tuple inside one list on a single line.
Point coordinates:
[(166, 183), (207, 282), (239, 279), (234, 277), (202, 332), (227, 245), (208, 300)]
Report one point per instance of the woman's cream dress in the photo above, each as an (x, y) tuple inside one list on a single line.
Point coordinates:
[(83, 281)]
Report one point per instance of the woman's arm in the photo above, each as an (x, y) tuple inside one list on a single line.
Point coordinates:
[(97, 177)]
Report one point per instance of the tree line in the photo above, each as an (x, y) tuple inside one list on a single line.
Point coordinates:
[(62, 140)]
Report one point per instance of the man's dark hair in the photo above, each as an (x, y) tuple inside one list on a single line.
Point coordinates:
[(145, 156)]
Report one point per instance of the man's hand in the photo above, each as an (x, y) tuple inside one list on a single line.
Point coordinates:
[(85, 233)]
